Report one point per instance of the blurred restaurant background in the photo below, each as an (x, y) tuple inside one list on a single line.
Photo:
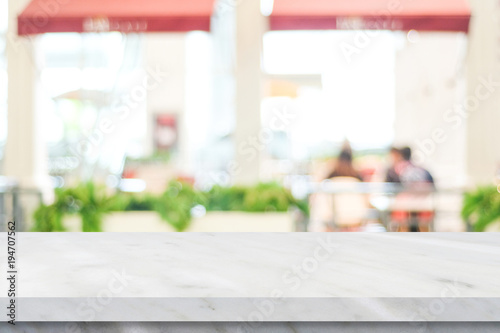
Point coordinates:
[(230, 115)]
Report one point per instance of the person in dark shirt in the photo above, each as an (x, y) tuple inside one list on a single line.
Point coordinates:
[(417, 200), (409, 173), (403, 170)]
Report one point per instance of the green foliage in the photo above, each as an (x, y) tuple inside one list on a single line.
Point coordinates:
[(267, 197), (129, 202), (175, 204), (226, 198), (303, 206), (158, 157), (48, 219), (88, 200), (482, 207), (91, 202), (264, 197)]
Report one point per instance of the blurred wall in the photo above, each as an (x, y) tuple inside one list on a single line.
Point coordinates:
[(483, 93), (165, 52), (430, 83)]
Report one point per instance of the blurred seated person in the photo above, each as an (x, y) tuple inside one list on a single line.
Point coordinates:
[(402, 169), (339, 211), (412, 210), (344, 167), (395, 157), (409, 173)]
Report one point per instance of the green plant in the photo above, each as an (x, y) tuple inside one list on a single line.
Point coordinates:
[(88, 200), (157, 157), (133, 202), (175, 204), (93, 203), (226, 198), (481, 207), (263, 197), (48, 219)]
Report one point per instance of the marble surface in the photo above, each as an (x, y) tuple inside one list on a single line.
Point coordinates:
[(256, 277)]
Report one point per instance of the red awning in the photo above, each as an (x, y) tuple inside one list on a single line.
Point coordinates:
[(423, 15), (42, 16)]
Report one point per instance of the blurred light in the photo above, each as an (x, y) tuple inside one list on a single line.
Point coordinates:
[(266, 7), (112, 181), (4, 16), (296, 52), (198, 211), (413, 36), (7, 182), (173, 191), (300, 187), (57, 181), (57, 81), (374, 227), (132, 185), (380, 202)]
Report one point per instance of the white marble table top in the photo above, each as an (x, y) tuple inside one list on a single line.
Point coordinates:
[(256, 276)]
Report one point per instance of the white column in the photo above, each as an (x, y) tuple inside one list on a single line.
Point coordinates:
[(250, 26), (25, 152), (483, 111)]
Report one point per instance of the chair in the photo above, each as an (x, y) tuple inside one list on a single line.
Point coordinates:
[(340, 211), (412, 212)]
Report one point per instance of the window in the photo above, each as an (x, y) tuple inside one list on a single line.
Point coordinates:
[(353, 98), (84, 79)]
